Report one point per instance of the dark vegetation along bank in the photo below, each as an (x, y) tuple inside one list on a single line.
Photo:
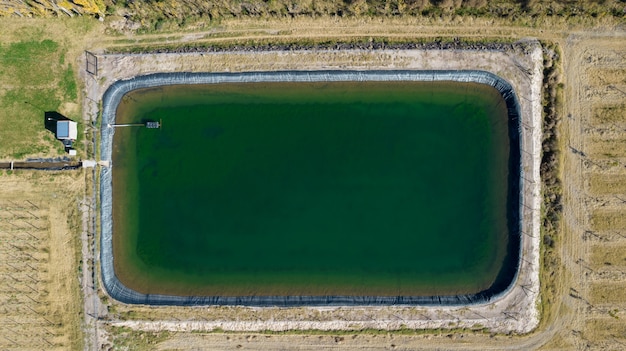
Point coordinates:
[(147, 15), (365, 43), (551, 186)]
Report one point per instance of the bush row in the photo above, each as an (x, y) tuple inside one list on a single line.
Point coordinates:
[(157, 14)]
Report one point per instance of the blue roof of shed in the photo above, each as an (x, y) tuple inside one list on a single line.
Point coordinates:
[(63, 129)]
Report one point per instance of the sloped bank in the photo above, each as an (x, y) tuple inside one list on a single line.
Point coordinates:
[(508, 274)]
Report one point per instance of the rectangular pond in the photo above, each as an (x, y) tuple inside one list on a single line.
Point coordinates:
[(312, 189)]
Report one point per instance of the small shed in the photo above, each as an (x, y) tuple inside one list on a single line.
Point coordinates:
[(67, 130)]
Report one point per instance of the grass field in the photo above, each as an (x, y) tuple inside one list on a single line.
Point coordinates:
[(37, 75)]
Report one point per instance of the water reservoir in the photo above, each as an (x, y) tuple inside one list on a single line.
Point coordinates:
[(345, 192)]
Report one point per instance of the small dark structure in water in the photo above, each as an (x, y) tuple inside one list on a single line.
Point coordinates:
[(153, 125)]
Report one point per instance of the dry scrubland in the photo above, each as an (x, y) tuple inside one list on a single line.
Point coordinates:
[(40, 223)]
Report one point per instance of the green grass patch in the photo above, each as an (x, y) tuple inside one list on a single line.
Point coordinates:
[(34, 79), (30, 62), (68, 84), (24, 134)]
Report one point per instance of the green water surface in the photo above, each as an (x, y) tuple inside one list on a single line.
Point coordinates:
[(311, 189)]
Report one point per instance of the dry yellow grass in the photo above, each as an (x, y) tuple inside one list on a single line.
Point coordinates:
[(609, 255), (609, 333), (609, 113), (609, 147), (604, 76), (604, 184), (40, 296), (608, 220), (608, 293), (603, 114)]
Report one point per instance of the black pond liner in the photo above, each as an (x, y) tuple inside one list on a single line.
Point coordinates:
[(42, 165), (504, 282)]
